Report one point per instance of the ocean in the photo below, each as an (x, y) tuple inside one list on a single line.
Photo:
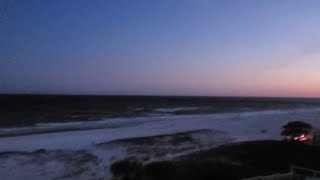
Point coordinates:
[(28, 110)]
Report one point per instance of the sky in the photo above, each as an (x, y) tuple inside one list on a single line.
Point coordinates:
[(167, 47)]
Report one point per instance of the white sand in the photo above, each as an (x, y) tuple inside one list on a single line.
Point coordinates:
[(241, 126)]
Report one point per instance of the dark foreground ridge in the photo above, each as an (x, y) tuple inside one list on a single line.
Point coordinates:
[(231, 162)]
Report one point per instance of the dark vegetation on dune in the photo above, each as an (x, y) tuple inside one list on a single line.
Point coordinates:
[(233, 161), (159, 146), (21, 110)]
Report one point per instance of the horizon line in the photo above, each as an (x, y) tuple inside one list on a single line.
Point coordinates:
[(152, 95)]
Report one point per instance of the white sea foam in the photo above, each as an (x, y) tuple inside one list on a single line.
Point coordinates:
[(172, 110)]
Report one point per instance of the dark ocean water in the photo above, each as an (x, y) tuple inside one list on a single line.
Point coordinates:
[(25, 110)]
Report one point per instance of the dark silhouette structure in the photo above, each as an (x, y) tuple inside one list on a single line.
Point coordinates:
[(297, 131)]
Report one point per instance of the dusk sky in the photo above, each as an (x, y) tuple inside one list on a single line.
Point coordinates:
[(161, 47)]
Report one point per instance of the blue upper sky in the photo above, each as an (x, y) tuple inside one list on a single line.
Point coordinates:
[(167, 47)]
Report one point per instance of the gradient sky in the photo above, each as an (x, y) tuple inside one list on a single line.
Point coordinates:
[(161, 47)]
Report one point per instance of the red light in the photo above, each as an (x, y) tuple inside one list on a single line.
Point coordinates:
[(302, 137)]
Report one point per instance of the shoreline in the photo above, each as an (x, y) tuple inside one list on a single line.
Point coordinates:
[(114, 123), (246, 126)]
